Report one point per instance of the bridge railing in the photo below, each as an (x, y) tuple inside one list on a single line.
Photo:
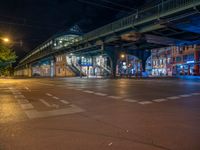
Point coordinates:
[(139, 17)]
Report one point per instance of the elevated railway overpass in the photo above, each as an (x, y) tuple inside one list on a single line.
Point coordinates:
[(170, 23)]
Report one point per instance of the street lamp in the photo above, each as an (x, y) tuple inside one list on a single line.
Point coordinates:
[(122, 55), (6, 40)]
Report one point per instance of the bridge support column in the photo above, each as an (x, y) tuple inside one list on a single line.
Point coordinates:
[(143, 55), (196, 66), (29, 70), (52, 68), (113, 54)]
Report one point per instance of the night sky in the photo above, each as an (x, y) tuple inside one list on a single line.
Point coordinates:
[(34, 21)]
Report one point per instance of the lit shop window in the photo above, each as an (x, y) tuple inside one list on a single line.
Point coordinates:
[(168, 60), (161, 61)]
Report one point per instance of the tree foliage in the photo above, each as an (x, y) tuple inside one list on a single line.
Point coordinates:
[(7, 56)]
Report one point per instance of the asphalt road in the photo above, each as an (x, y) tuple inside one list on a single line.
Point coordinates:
[(103, 114)]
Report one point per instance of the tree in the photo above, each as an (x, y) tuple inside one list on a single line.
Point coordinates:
[(7, 57)]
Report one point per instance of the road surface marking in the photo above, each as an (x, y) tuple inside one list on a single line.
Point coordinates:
[(185, 95), (159, 100), (16, 93), (5, 89), (173, 97), (110, 144), (87, 91), (22, 101), (19, 96), (115, 97), (45, 103), (31, 114), (47, 84), (195, 94), (70, 87), (55, 97), (100, 94), (145, 102), (27, 106), (78, 89), (55, 105), (64, 101), (14, 90), (48, 94), (27, 88), (130, 100)]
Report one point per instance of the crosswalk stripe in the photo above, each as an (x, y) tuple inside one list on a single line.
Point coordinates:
[(64, 101), (45, 103), (27, 106), (19, 96), (55, 97), (48, 94)]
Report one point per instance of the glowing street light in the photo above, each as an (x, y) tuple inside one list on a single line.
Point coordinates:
[(6, 40), (122, 55)]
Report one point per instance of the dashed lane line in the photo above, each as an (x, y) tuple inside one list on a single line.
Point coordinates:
[(159, 100), (100, 94), (115, 97), (130, 100), (87, 91), (78, 89), (47, 84), (173, 97), (185, 95), (195, 94), (16, 93), (145, 102)]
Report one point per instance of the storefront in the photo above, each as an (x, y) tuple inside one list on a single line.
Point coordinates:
[(184, 69), (42, 68), (162, 62), (86, 66), (129, 65)]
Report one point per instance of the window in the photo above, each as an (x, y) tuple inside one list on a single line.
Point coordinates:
[(189, 57), (178, 59)]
